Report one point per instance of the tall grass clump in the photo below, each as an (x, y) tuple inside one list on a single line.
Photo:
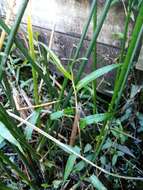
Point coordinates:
[(72, 133)]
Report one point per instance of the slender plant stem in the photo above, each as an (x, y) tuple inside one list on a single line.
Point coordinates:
[(124, 40), (32, 53), (94, 62), (12, 35)]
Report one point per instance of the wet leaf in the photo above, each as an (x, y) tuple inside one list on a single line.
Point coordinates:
[(97, 183), (70, 163), (5, 134), (92, 119), (96, 74)]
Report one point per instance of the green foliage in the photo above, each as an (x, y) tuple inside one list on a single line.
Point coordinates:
[(97, 183), (108, 135)]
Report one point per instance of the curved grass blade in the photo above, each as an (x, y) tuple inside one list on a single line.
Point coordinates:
[(70, 163), (95, 74), (97, 183), (5, 133), (56, 61), (92, 119)]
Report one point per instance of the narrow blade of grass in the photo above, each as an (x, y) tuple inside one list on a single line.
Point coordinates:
[(32, 53), (97, 183), (92, 119), (56, 61), (96, 74)]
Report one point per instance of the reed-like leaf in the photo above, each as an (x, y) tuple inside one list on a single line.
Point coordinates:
[(94, 119), (95, 74), (70, 163), (56, 61), (118, 90), (97, 183), (5, 133), (12, 34), (32, 53)]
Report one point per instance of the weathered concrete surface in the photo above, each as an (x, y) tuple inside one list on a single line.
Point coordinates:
[(69, 17)]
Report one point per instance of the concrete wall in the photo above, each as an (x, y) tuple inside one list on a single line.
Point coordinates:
[(69, 17)]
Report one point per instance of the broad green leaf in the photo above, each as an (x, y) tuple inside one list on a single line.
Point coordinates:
[(87, 148), (57, 115), (125, 150), (81, 164), (108, 144), (70, 163), (33, 120), (96, 74), (4, 133), (56, 61), (93, 119), (114, 159), (57, 183), (97, 183), (2, 142)]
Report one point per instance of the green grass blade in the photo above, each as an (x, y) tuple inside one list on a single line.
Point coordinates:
[(16, 169), (96, 74), (56, 61), (15, 132), (4, 187), (93, 119), (80, 44), (68, 149), (95, 61), (5, 133), (70, 163), (96, 183)]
